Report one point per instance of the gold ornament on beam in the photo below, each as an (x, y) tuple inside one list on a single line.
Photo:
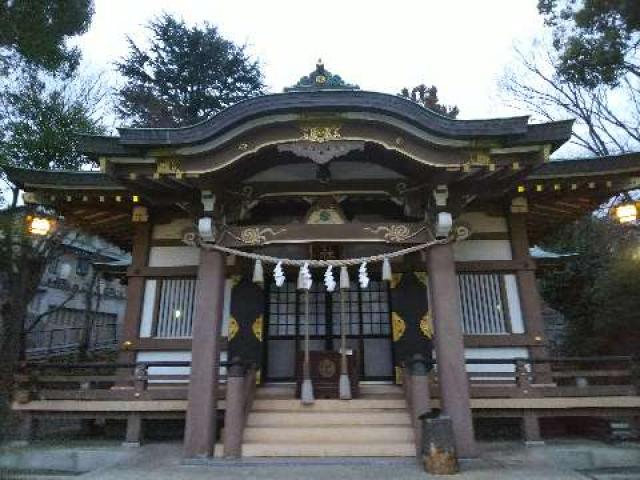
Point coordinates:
[(321, 134), (398, 326), (167, 166)]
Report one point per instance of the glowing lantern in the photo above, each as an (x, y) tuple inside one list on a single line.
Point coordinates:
[(626, 213), (40, 226)]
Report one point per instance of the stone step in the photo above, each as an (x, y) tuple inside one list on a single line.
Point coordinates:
[(337, 434), (329, 405), (319, 418), (400, 449)]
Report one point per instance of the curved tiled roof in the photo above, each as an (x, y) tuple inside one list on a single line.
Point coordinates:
[(336, 101)]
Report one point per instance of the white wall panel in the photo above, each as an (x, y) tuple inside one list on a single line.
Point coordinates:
[(174, 256), (470, 250), (482, 223), (513, 300), (147, 308)]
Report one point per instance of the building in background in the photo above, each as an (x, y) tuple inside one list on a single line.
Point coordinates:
[(78, 303)]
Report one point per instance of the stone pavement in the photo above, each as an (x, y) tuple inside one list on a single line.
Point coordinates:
[(562, 460)]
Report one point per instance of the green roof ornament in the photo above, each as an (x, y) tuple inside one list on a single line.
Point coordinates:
[(321, 79)]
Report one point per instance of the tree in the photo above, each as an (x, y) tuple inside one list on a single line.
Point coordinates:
[(596, 291), (607, 118), (41, 119), (185, 75), (37, 31), (428, 98), (597, 40)]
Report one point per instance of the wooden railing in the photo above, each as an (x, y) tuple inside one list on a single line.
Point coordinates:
[(489, 378), (101, 381)]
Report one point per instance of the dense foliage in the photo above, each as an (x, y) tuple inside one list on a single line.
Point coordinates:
[(184, 76), (597, 290), (37, 31), (428, 98), (41, 124), (597, 40)]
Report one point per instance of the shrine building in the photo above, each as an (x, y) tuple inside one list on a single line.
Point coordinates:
[(234, 324)]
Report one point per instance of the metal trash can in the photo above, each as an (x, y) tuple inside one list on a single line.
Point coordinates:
[(438, 445)]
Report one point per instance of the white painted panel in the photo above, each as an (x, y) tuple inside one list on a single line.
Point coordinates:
[(482, 223), (172, 356), (470, 250), (173, 230), (226, 314), (174, 256), (491, 353), (147, 308), (513, 300)]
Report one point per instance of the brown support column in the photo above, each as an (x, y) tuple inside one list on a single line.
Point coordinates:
[(531, 428), (234, 413), (452, 374), (530, 301), (135, 292), (134, 430), (420, 397), (201, 422)]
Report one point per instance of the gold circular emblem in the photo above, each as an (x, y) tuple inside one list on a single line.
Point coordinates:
[(327, 368), (321, 79)]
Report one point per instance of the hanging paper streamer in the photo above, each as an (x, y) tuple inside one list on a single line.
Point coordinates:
[(344, 278), (363, 276), (329, 281), (304, 278), (386, 270), (258, 273), (278, 275)]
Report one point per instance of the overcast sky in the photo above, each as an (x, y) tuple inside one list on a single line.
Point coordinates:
[(461, 46)]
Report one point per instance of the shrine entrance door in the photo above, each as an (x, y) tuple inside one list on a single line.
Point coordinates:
[(368, 332)]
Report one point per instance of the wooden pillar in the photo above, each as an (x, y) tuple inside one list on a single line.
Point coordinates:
[(531, 428), (530, 301), (134, 430), (420, 402), (449, 343), (234, 413), (26, 426), (201, 421), (135, 292)]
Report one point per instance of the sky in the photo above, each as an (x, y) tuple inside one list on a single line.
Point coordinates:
[(461, 46)]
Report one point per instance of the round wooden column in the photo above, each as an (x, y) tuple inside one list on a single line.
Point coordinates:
[(449, 343), (234, 412), (201, 421)]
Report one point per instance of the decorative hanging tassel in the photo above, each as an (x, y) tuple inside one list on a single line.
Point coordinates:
[(386, 270), (344, 278), (329, 281), (363, 276), (304, 278), (258, 273), (278, 274)]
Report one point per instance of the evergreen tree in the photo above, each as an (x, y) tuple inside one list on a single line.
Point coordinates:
[(597, 40), (37, 30), (186, 75), (428, 98)]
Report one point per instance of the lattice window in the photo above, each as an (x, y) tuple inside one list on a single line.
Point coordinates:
[(484, 303), (174, 309)]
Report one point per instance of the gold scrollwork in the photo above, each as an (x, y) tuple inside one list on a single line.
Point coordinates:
[(426, 325), (321, 134), (234, 328), (257, 328), (398, 326), (395, 233), (168, 166), (257, 236)]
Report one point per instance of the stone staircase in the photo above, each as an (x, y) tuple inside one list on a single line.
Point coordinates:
[(375, 425)]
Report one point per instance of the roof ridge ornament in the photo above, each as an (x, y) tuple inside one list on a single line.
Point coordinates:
[(321, 79)]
